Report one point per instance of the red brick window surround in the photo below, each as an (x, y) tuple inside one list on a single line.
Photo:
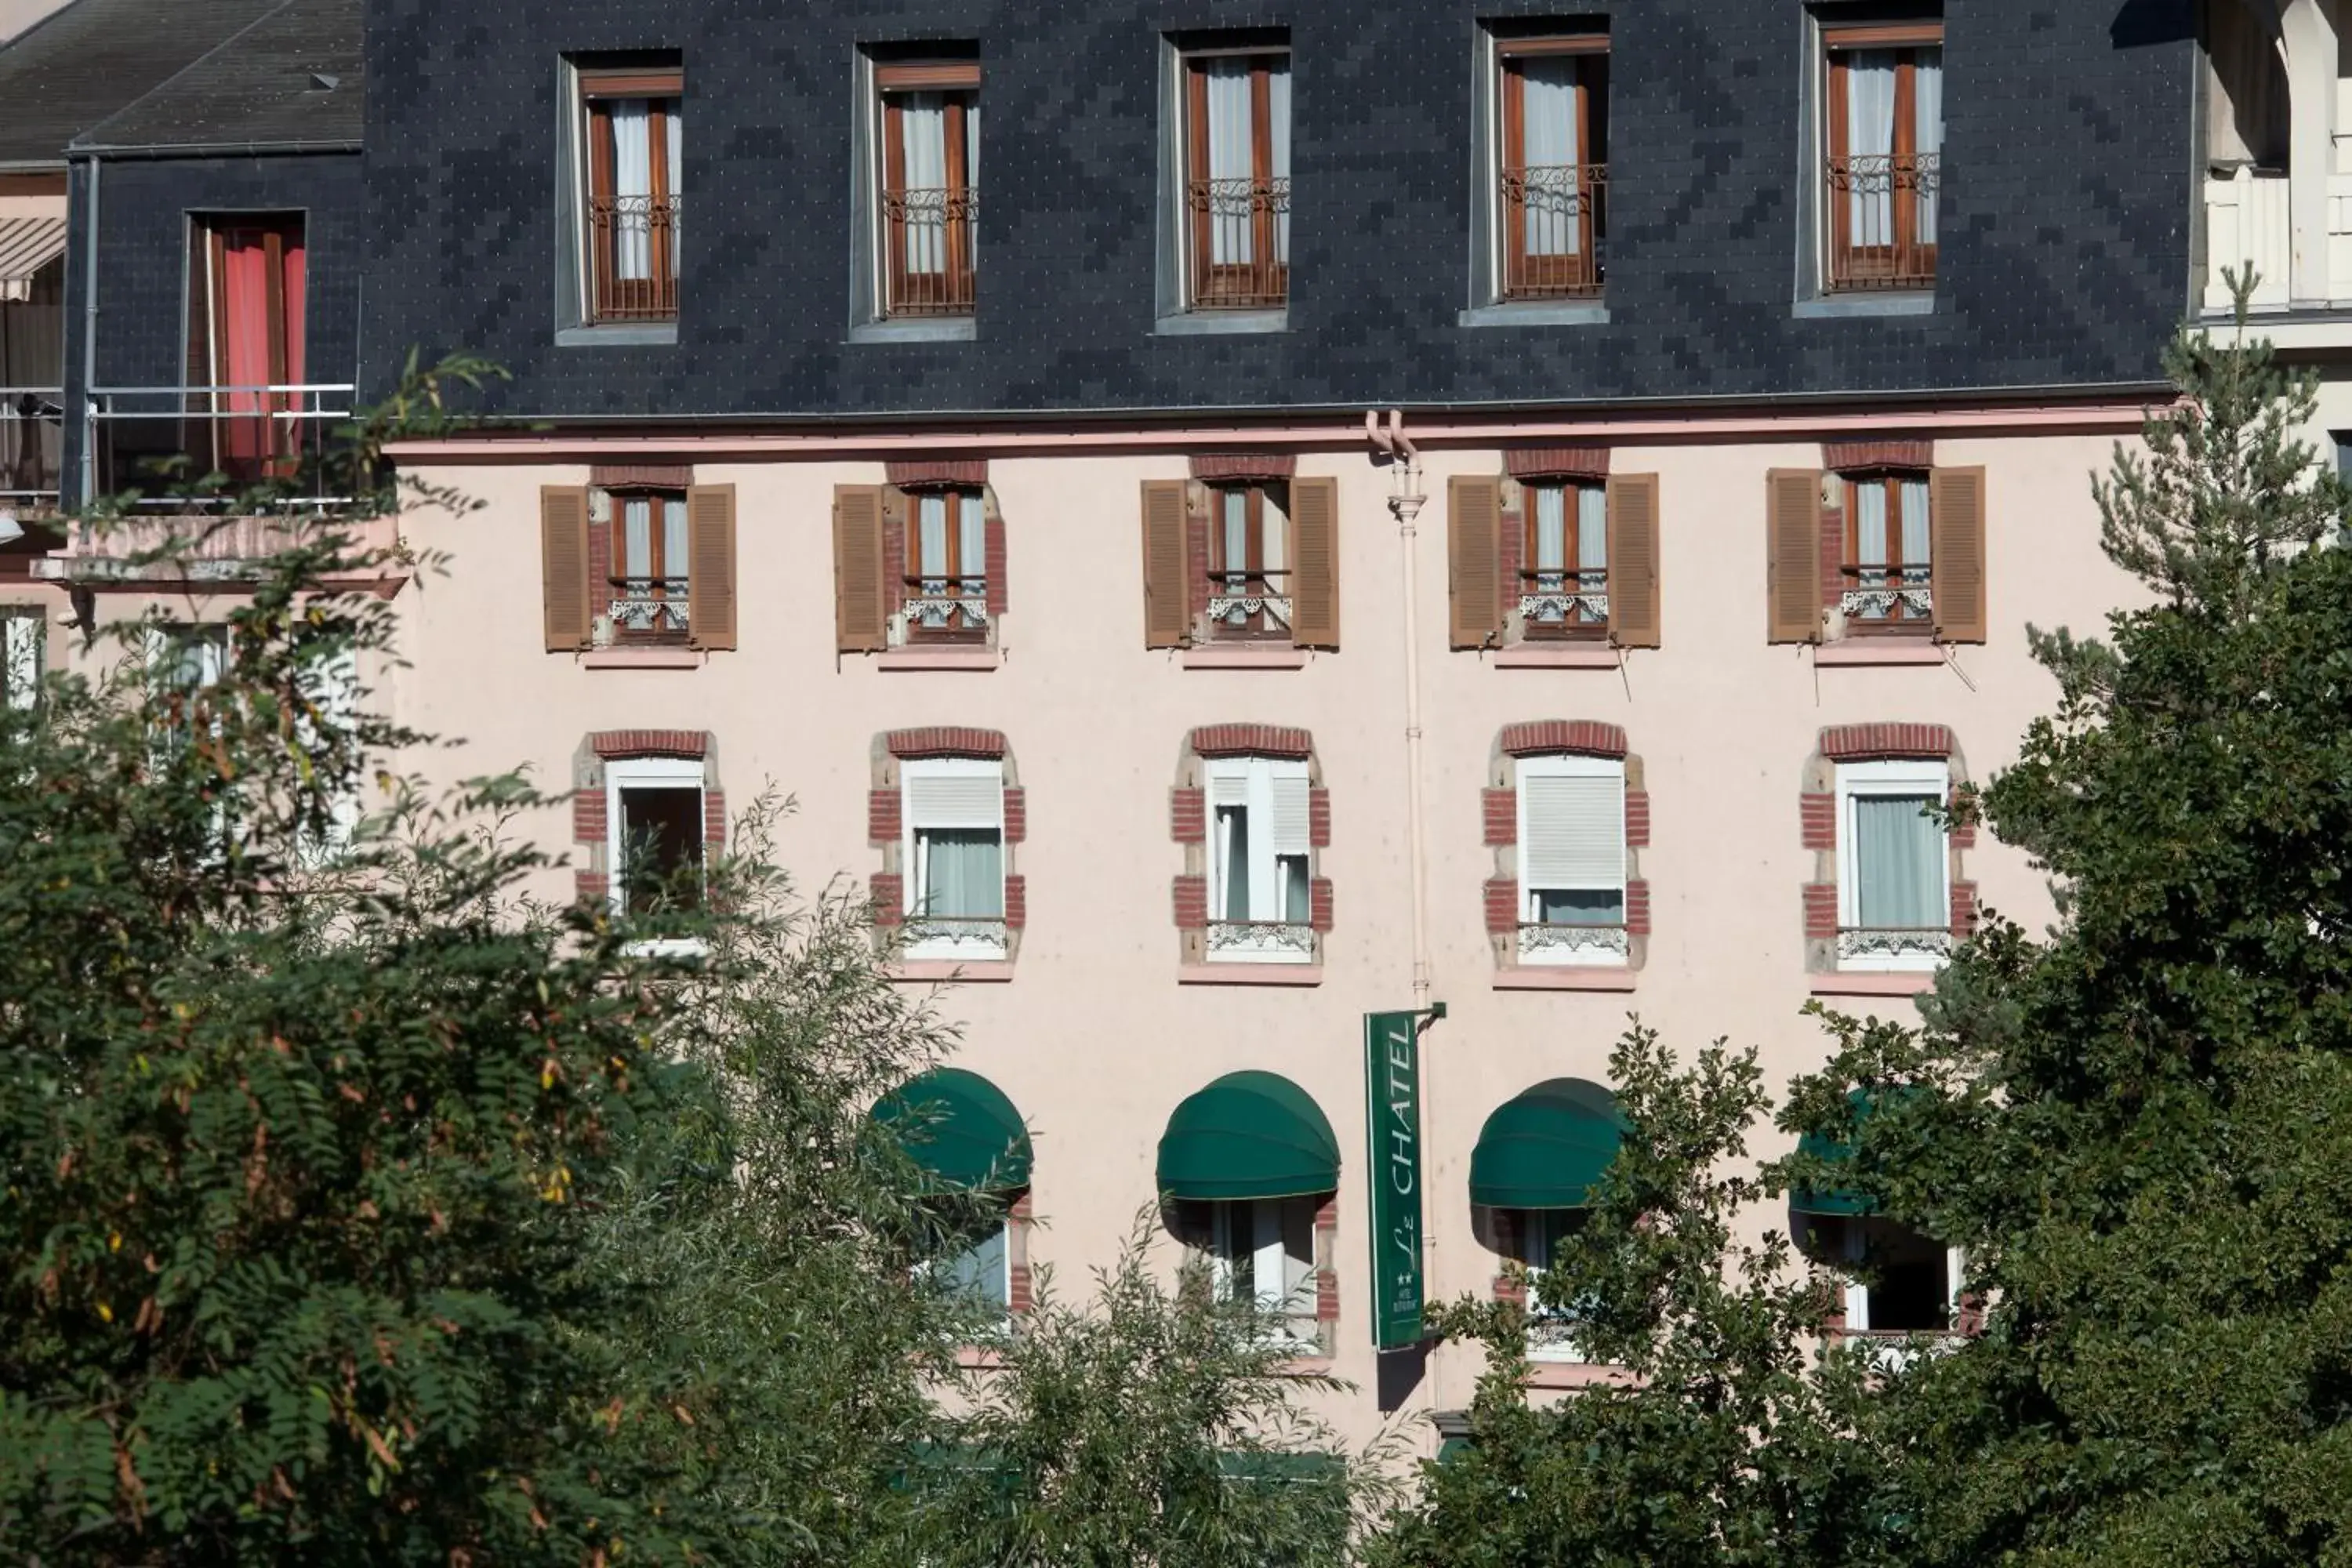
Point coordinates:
[(1567, 815), (946, 814), (1253, 817), (1889, 889), (654, 792)]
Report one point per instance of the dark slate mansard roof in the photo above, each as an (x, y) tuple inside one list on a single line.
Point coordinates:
[(291, 79), (94, 57)]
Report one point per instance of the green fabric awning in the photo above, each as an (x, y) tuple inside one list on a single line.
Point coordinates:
[(1546, 1149), (1835, 1201), (962, 1129), (1248, 1135)]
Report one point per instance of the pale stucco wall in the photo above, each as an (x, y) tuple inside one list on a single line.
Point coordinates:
[(1094, 1039)]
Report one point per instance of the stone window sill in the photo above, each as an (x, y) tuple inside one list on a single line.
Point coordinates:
[(949, 972), (1565, 977), (1228, 658), (916, 329), (1304, 1366), (1216, 323), (1879, 650), (1562, 656), (642, 658), (971, 658), (1866, 302), (977, 1358), (1881, 983), (617, 335), (1535, 313), (1250, 974)]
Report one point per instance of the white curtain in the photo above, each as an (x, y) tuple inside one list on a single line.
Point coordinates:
[(1552, 537), (1914, 531), (1277, 95), (923, 133), (1549, 128), (1870, 133), (1898, 883), (1592, 538), (1927, 96), (1870, 535), (674, 538), (636, 538), (1237, 526), (677, 174), (963, 873), (633, 186), (1273, 542), (1228, 89), (931, 539), (972, 525)]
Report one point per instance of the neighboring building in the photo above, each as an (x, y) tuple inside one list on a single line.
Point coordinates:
[(1753, 362)]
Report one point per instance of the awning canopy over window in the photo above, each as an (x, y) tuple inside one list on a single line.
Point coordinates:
[(1248, 1135), (962, 1129), (28, 244), (1546, 1149), (1839, 1201)]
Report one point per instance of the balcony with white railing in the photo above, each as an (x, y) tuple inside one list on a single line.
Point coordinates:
[(209, 482)]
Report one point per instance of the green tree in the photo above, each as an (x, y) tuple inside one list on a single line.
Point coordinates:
[(353, 1208), (1146, 1426), (2140, 1125), (1724, 1442)]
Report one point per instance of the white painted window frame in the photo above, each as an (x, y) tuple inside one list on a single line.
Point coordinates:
[(1894, 1356), (1258, 775), (1293, 1299), (1563, 767), (1862, 781), (912, 851), (1547, 1341), (641, 773)]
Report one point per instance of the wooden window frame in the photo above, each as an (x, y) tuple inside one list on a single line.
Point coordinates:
[(1529, 574), (1263, 282), (1257, 582), (658, 547), (906, 293), (1899, 621), (607, 297), (1905, 262), (1581, 275), (961, 629)]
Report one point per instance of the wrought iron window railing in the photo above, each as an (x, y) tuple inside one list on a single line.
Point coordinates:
[(940, 608), (649, 607), (933, 266), (1560, 941), (1244, 604), (1881, 220), (1894, 942), (633, 259), (1555, 230), (1241, 242), (1888, 597), (1564, 603)]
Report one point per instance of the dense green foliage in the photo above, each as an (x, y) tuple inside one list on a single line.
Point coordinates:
[(2137, 1125), (357, 1209)]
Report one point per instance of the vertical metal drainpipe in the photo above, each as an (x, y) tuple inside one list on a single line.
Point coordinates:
[(87, 413), (1405, 501)]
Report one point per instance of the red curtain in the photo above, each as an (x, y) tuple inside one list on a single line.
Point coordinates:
[(259, 296)]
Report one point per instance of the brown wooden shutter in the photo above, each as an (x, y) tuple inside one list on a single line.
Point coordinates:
[(1167, 606), (1956, 547), (711, 565), (1315, 563), (1634, 559), (1474, 559), (1793, 554), (861, 615), (564, 566)]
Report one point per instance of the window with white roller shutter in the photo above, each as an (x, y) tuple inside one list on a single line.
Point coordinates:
[(1260, 862), (954, 856), (1571, 838)]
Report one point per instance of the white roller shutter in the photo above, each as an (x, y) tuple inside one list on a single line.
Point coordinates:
[(955, 798), (1571, 829), (1290, 832)]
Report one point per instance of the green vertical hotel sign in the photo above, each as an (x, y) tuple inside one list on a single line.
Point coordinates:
[(1392, 1106)]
